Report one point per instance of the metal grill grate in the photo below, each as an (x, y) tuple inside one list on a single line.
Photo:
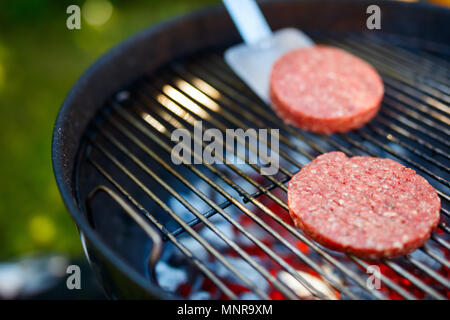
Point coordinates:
[(129, 144)]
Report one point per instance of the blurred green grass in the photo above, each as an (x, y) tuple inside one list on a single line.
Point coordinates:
[(40, 60)]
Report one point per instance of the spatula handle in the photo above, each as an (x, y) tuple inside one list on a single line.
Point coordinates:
[(249, 20)]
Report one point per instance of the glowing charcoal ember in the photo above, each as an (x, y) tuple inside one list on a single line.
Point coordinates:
[(185, 290), (199, 251)]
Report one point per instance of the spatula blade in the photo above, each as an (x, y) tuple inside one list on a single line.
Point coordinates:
[(253, 64)]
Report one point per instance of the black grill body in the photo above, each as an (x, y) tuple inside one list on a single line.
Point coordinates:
[(115, 246)]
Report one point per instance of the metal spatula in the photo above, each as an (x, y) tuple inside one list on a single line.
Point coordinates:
[(252, 60)]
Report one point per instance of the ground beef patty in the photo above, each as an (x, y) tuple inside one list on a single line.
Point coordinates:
[(325, 89), (370, 207)]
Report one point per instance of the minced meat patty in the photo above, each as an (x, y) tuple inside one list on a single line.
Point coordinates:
[(369, 207), (325, 89)]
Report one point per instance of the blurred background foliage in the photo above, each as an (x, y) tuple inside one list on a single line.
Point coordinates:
[(40, 59)]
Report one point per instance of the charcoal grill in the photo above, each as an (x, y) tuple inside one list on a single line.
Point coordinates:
[(152, 229)]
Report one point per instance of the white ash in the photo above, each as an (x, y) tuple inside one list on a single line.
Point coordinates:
[(170, 278)]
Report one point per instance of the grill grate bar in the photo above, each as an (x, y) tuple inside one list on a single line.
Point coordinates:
[(242, 192), (411, 63), (286, 208), (392, 152), (367, 151), (394, 88), (401, 108), (395, 154), (419, 166), (203, 114), (429, 99), (445, 212), (235, 93), (225, 204), (200, 265), (234, 168), (191, 232), (444, 227), (419, 283), (421, 142), (397, 267), (232, 244), (386, 280), (410, 135), (239, 172), (433, 236), (407, 134), (435, 256), (413, 137), (436, 117), (249, 116), (242, 208), (431, 61), (245, 102), (441, 241), (434, 149), (398, 79), (392, 115), (390, 137), (408, 147)]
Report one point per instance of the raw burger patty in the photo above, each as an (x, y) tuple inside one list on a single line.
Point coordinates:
[(325, 89), (370, 207)]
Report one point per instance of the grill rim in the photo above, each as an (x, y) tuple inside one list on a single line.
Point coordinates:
[(71, 123)]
